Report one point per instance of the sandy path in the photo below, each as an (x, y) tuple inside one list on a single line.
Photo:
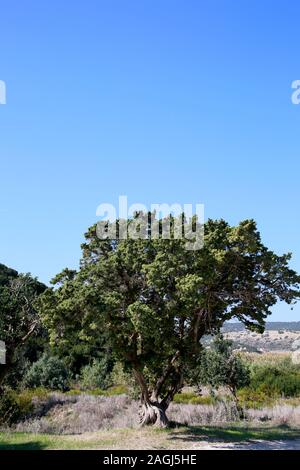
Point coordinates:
[(288, 444)]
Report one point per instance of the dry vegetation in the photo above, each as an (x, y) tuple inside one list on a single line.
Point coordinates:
[(62, 414), (270, 340), (91, 422), (85, 420)]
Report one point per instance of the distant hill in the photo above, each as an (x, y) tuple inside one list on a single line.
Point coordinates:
[(270, 326), (6, 274)]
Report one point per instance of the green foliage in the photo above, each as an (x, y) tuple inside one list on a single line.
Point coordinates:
[(123, 379), (118, 375), (19, 320), (48, 372), (250, 398), (271, 377), (193, 399), (24, 402), (219, 366), (95, 375), (18, 315), (9, 410), (25, 356), (6, 275), (278, 380), (116, 390), (14, 406), (28, 394), (155, 299)]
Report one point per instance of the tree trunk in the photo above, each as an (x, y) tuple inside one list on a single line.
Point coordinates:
[(239, 408), (5, 368), (152, 409), (153, 413)]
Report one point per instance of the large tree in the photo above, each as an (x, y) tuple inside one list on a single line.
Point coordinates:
[(156, 300), (18, 317)]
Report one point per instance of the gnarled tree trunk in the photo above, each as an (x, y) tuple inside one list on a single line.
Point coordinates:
[(153, 413), (152, 409)]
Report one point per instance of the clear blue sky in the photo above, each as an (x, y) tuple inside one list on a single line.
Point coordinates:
[(162, 100)]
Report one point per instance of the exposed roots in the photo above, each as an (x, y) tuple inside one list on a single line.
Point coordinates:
[(153, 414)]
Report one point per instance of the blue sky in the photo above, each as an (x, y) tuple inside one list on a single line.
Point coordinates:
[(161, 100)]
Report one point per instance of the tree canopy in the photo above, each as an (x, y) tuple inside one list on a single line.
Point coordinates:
[(18, 316), (155, 300)]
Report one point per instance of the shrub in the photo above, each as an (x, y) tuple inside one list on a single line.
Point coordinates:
[(39, 393), (118, 376), (14, 406), (49, 372), (95, 375), (256, 399), (192, 398), (282, 379), (116, 390), (124, 379), (9, 411), (220, 366)]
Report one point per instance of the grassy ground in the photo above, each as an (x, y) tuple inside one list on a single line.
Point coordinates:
[(155, 439)]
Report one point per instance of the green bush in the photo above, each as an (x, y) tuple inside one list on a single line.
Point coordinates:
[(118, 376), (278, 380), (14, 406), (95, 375), (192, 398), (48, 372), (28, 394), (220, 366), (123, 380), (9, 410), (116, 390), (250, 398)]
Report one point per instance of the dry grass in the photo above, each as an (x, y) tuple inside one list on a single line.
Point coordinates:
[(96, 422), (268, 358), (61, 414), (221, 412), (278, 415)]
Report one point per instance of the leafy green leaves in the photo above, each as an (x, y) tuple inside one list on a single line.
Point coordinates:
[(151, 301)]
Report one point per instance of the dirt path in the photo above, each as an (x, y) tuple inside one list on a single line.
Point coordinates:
[(289, 444)]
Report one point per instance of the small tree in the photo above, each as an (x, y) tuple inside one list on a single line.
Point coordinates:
[(49, 372), (218, 365), (156, 300), (96, 374)]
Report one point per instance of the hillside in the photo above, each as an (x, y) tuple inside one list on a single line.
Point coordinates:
[(270, 326), (278, 336)]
